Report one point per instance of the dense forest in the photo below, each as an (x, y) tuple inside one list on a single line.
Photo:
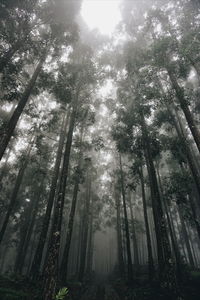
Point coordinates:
[(100, 151)]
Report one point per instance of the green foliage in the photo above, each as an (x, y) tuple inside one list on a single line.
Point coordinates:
[(62, 293), (177, 186), (98, 143), (10, 294)]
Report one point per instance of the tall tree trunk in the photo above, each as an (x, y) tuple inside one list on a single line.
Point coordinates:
[(186, 238), (79, 244), (51, 269), (3, 169), (17, 186), (23, 234), (45, 224), (90, 242), (129, 259), (148, 236), (182, 138), (167, 271), (119, 237), (173, 239), (10, 127), (64, 262), (188, 153), (85, 230), (29, 229), (135, 243), (184, 106), (196, 217)]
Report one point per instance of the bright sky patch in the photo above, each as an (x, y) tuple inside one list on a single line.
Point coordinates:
[(101, 14)]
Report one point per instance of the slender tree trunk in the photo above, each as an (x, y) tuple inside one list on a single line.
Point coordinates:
[(45, 224), (182, 138), (51, 269), (156, 202), (85, 230), (23, 234), (188, 153), (79, 246), (173, 239), (4, 252), (29, 229), (3, 169), (64, 263), (119, 237), (90, 242), (9, 129), (148, 236), (129, 262), (32, 249), (167, 271), (196, 217), (186, 238), (135, 243), (17, 186), (185, 108)]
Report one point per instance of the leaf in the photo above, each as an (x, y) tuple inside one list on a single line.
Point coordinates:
[(62, 293)]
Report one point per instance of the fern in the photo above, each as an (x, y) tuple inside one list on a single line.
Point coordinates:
[(62, 293)]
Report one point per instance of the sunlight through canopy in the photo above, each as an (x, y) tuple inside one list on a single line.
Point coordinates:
[(101, 14)]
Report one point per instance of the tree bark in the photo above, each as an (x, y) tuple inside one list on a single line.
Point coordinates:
[(29, 228), (173, 239), (135, 243), (185, 108), (51, 269), (85, 230), (17, 186), (23, 234), (119, 237), (148, 236), (9, 129), (90, 242), (45, 224), (129, 259), (64, 263), (167, 271), (188, 153), (186, 238)]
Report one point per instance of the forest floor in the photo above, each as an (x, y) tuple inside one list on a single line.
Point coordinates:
[(100, 292), (21, 288)]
